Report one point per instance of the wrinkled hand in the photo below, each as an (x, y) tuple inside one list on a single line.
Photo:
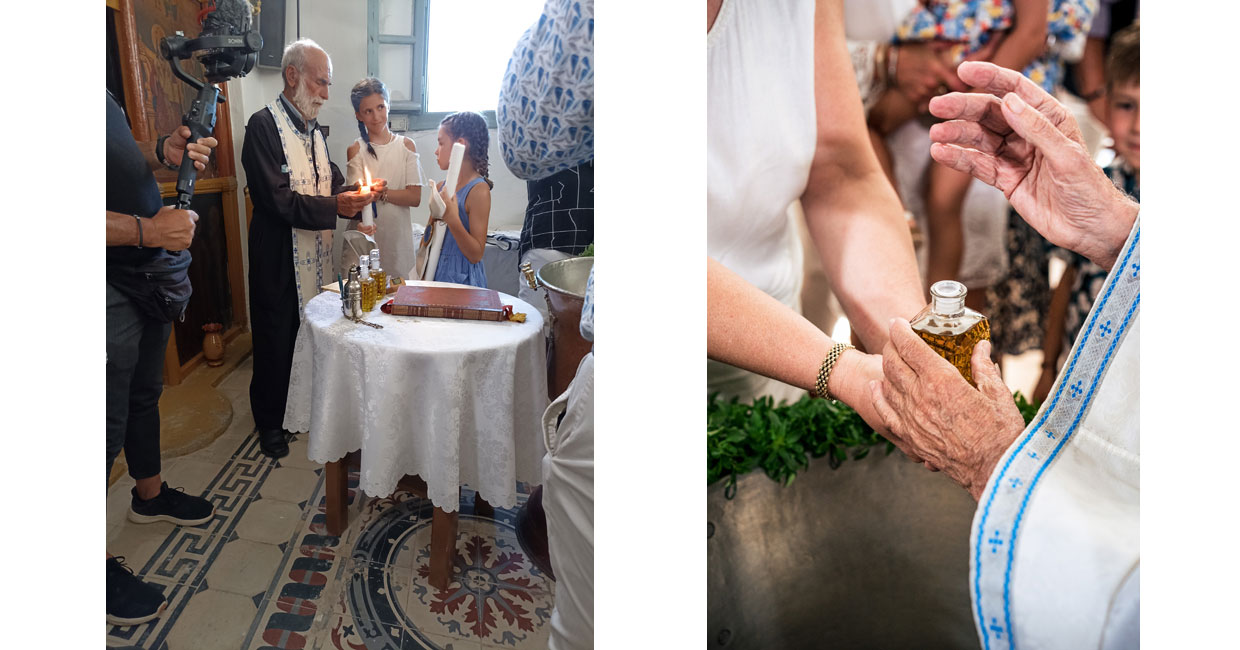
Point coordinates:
[(351, 203), (921, 71), (175, 147), (936, 417), (1029, 146), (170, 229)]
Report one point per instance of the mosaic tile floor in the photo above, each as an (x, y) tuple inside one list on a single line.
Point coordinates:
[(264, 573)]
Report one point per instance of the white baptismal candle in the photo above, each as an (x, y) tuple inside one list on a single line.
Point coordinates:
[(454, 167), (368, 218)]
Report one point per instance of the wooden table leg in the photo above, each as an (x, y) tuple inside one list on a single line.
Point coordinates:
[(482, 508), (443, 548), (337, 497)]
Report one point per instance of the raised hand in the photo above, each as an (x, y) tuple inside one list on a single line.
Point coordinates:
[(1024, 142)]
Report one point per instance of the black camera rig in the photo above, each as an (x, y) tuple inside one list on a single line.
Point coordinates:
[(229, 43)]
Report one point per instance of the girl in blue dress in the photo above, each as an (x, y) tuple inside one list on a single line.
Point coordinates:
[(466, 214)]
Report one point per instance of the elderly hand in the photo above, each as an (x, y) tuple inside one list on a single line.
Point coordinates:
[(936, 417), (351, 203), (175, 147), (1029, 146)]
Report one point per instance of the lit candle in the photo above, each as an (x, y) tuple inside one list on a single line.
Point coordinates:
[(368, 218)]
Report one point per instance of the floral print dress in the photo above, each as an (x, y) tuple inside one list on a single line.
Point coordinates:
[(971, 24)]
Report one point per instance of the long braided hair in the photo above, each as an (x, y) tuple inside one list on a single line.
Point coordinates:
[(473, 128), (363, 89)]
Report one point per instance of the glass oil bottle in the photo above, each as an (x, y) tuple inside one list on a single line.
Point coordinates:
[(951, 328), (380, 276), (368, 283)]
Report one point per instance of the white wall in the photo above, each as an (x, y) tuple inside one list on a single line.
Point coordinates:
[(340, 28)]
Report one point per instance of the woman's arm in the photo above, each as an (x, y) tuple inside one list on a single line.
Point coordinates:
[(1027, 39), (472, 242), (749, 329), (851, 209), (411, 195)]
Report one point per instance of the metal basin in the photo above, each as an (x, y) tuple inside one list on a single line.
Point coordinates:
[(565, 282), (567, 277), (873, 554)]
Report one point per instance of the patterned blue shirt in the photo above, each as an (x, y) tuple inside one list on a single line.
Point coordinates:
[(546, 103)]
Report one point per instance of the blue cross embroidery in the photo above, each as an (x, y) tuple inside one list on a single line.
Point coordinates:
[(1049, 434), (1015, 483), (1136, 268), (1104, 330), (1076, 389), (996, 628), (1033, 454), (995, 543)]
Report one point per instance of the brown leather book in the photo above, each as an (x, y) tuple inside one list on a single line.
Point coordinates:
[(448, 302)]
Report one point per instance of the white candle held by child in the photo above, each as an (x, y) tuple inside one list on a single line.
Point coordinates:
[(454, 167), (368, 218)]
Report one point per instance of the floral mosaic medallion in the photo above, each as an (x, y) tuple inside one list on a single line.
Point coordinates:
[(496, 597)]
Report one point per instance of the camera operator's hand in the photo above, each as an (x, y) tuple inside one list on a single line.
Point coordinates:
[(175, 147), (349, 204), (170, 229)]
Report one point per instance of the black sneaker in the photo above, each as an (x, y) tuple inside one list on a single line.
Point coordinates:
[(170, 505), (130, 600)]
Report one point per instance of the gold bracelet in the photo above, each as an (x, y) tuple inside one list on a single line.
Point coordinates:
[(824, 371)]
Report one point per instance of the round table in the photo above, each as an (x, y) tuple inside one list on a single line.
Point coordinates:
[(455, 402)]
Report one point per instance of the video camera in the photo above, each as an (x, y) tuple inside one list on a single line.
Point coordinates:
[(230, 42)]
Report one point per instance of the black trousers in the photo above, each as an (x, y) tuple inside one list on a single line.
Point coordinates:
[(135, 380), (274, 321)]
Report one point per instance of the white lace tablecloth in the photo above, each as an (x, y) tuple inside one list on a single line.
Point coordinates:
[(457, 402)]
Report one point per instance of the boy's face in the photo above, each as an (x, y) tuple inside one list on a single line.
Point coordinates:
[(1124, 121)]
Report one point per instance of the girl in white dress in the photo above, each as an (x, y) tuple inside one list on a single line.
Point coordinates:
[(393, 158)]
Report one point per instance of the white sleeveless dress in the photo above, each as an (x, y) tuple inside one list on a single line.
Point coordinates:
[(394, 228), (761, 128)]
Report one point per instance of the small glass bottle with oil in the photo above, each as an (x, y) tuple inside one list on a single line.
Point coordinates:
[(380, 276), (368, 283), (951, 328)]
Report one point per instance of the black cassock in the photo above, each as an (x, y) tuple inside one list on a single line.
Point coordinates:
[(273, 289)]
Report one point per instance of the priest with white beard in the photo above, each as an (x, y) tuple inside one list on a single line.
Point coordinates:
[(297, 194)]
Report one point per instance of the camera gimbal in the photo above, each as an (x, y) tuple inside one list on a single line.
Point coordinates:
[(231, 49)]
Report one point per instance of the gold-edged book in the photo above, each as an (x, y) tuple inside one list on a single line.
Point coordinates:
[(449, 302)]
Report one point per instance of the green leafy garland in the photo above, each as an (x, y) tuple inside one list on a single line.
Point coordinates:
[(782, 439)]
